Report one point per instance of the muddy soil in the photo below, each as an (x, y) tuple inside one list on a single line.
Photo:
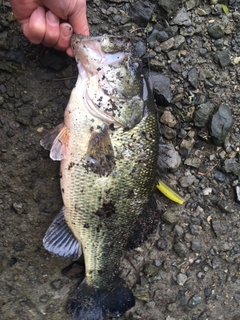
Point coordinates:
[(188, 268)]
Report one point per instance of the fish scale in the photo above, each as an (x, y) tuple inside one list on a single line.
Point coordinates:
[(108, 148)]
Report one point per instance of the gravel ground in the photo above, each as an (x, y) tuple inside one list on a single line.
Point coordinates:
[(189, 267)]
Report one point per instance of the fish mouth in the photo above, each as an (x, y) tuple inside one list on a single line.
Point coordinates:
[(91, 52), (107, 79)]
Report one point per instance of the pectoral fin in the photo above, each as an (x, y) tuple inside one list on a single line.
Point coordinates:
[(60, 241), (100, 155), (57, 141)]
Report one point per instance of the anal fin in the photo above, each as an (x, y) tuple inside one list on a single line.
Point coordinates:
[(60, 241)]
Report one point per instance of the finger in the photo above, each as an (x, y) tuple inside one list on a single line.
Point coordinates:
[(78, 20), (34, 29), (52, 30), (66, 31)]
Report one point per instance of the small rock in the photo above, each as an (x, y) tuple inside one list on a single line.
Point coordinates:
[(186, 181), (221, 124), (222, 57), (202, 114), (182, 18), (160, 85), (194, 301), (193, 162), (168, 118), (162, 244), (150, 270), (187, 144), (220, 227), (215, 30), (193, 77), (178, 41), (232, 165), (168, 158), (196, 245), (142, 293), (141, 12), (178, 231), (170, 217), (52, 60), (167, 45), (18, 245), (181, 279), (140, 48), (181, 249), (24, 115), (228, 207), (220, 176)]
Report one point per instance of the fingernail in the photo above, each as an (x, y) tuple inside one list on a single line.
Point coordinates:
[(52, 18), (66, 30)]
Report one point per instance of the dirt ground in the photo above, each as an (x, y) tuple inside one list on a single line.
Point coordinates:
[(189, 268)]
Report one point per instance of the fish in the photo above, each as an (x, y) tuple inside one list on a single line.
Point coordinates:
[(108, 148)]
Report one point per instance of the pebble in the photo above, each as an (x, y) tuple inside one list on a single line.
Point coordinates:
[(167, 45), (194, 301), (141, 12), (18, 245), (168, 118), (222, 57), (215, 30), (187, 181), (142, 293), (202, 113), (181, 18), (232, 165), (162, 244), (196, 245), (193, 162), (221, 124), (220, 176), (181, 279), (181, 249), (168, 158), (193, 78), (220, 227), (161, 88), (170, 217), (178, 231), (150, 270)]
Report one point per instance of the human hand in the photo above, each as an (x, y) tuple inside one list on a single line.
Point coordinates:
[(40, 21)]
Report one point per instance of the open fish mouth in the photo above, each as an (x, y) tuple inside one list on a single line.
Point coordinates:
[(111, 77)]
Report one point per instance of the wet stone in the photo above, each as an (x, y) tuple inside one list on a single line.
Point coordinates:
[(162, 244), (170, 217), (181, 298), (232, 165), (220, 227), (44, 298), (193, 78), (141, 12), (181, 249), (178, 231), (161, 88), (56, 284), (18, 246), (182, 18), (220, 176), (181, 279), (168, 6), (168, 157), (140, 48), (215, 30), (194, 301), (24, 115), (168, 118), (222, 57), (228, 207), (196, 245), (187, 181), (221, 124), (202, 114), (150, 270)]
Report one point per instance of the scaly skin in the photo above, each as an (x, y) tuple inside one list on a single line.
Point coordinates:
[(102, 205)]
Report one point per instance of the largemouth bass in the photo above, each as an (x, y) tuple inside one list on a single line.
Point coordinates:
[(108, 151)]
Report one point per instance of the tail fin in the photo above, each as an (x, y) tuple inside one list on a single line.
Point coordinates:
[(91, 303)]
